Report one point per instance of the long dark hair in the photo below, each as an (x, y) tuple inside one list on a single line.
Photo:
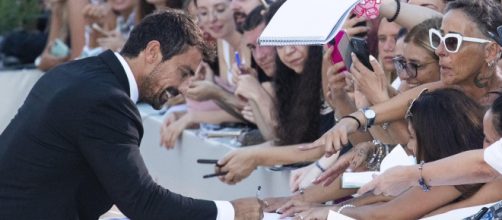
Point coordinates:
[(497, 114), (447, 122), (299, 100)]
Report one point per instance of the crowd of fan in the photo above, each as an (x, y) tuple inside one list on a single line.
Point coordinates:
[(440, 57)]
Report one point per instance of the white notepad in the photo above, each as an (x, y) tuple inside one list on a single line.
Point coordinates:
[(397, 157), (306, 22)]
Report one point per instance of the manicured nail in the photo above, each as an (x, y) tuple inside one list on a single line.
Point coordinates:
[(372, 58)]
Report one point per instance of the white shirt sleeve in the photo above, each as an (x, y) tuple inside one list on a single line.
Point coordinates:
[(225, 210), (493, 155)]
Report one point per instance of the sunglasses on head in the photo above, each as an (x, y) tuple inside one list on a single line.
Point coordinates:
[(451, 41)]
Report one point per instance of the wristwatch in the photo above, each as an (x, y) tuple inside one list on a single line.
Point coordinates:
[(370, 115)]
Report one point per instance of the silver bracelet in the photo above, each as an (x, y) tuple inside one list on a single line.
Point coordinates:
[(345, 206)]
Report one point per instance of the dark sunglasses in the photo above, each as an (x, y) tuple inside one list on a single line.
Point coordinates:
[(408, 69)]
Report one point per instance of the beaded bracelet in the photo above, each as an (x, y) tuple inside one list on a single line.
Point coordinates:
[(421, 180), (345, 206), (398, 9)]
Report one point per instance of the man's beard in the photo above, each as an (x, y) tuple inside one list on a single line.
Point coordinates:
[(239, 18), (146, 90)]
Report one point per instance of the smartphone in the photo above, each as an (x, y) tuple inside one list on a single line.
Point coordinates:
[(341, 44), (360, 48)]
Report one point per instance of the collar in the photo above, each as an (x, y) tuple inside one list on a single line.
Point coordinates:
[(133, 86)]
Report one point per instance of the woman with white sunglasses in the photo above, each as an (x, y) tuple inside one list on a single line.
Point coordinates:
[(468, 46)]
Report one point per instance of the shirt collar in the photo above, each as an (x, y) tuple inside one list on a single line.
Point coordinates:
[(133, 86)]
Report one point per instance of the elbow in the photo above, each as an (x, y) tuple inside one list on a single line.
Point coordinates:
[(485, 172)]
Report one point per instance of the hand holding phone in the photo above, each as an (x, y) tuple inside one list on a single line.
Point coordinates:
[(360, 48), (340, 44)]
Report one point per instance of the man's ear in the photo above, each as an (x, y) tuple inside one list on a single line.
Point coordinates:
[(153, 54)]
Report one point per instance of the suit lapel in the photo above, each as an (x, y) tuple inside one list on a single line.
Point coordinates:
[(117, 69), (111, 60)]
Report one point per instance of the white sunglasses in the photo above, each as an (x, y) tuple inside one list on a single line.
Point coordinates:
[(452, 41)]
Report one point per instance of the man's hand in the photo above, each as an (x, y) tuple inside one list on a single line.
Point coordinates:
[(392, 182), (248, 209), (238, 163)]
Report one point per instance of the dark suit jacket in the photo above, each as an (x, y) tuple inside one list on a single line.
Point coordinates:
[(73, 150)]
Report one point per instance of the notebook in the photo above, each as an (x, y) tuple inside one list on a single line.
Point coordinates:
[(306, 22)]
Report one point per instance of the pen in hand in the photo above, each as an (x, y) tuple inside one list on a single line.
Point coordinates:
[(215, 175), (211, 161)]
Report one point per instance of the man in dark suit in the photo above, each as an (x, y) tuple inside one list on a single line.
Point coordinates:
[(73, 148)]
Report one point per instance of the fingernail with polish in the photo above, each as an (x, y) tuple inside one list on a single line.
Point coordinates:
[(372, 58)]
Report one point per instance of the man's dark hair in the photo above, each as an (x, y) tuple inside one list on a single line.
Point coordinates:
[(254, 18), (175, 31)]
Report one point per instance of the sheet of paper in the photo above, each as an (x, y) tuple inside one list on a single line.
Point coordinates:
[(397, 157), (274, 216), (337, 216)]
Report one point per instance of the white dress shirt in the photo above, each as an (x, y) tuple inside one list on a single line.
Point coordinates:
[(225, 208)]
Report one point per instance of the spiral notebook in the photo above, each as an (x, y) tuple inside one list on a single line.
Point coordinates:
[(306, 22)]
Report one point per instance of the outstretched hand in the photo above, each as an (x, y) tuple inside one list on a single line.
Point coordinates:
[(334, 139), (392, 182), (351, 161), (238, 164)]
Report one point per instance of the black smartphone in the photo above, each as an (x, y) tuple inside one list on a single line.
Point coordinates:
[(360, 48)]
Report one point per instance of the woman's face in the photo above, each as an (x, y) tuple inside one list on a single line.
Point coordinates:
[(293, 57), (216, 17), (122, 6), (387, 35), (412, 143), (491, 134), (419, 62), (462, 67)]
